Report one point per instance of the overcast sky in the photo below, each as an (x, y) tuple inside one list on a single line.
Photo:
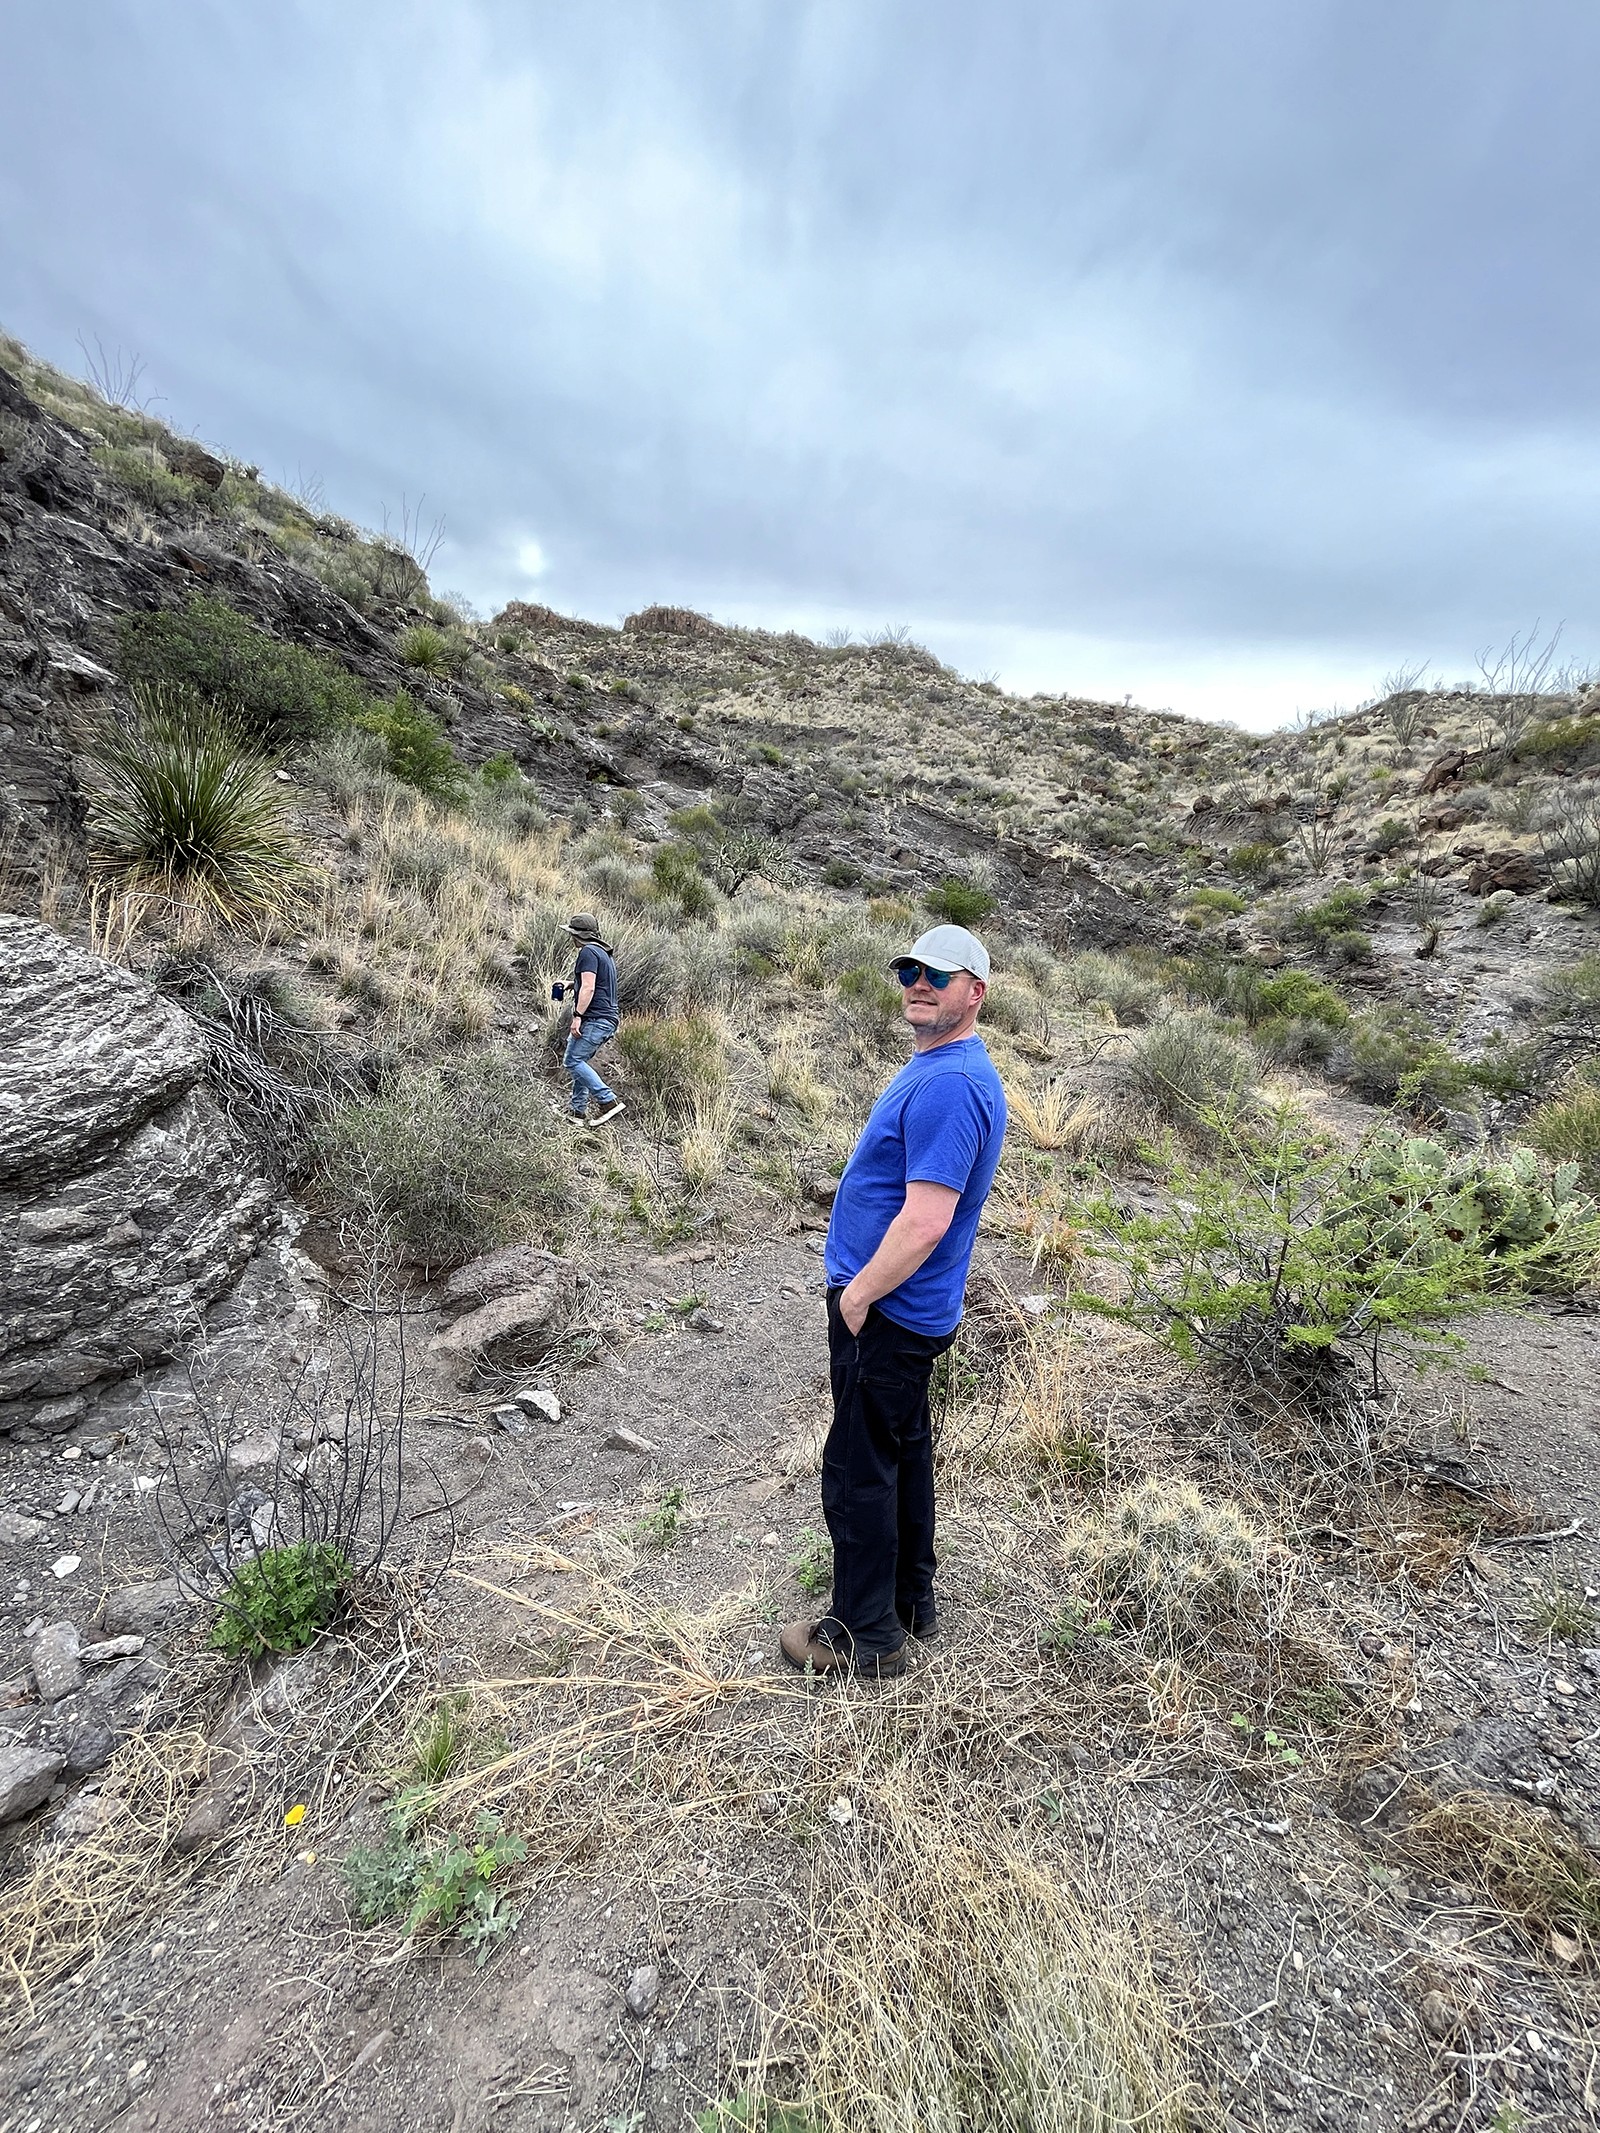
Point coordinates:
[(1225, 355)]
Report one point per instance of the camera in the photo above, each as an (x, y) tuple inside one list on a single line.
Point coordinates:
[(558, 991)]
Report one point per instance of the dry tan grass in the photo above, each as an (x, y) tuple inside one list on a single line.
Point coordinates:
[(76, 1895), (1054, 1116), (792, 1073), (1533, 1867), (954, 1985), (705, 1144)]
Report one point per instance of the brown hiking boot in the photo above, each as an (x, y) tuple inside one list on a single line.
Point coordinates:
[(802, 1647)]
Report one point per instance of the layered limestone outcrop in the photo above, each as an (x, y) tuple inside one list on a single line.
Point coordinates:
[(127, 1203)]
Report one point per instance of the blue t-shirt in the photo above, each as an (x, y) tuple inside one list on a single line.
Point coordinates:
[(939, 1122)]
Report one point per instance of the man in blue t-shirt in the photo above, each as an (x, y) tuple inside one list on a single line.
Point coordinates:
[(904, 1221)]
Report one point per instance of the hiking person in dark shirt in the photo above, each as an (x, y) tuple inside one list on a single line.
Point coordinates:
[(899, 1245), (594, 1020)]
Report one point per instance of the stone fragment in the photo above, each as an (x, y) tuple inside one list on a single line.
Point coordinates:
[(703, 1321), (90, 1746), (822, 1190), (644, 1992), (65, 1566), (16, 1527), (26, 1775), (252, 1458), (110, 1648), (627, 1440), (540, 1400), (57, 1668), (138, 1610)]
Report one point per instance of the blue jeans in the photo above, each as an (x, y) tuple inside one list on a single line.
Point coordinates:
[(580, 1050)]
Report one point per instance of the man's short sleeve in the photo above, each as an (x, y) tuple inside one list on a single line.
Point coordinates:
[(588, 963), (946, 1124)]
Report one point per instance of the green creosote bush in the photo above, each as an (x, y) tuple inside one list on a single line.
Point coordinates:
[(437, 1882), (1219, 903), (1252, 861), (416, 749), (1331, 925), (1282, 1251), (451, 1159), (282, 1599), (841, 874), (276, 692), (1390, 834), (960, 902), (1167, 1562), (182, 805), (730, 851), (676, 872), (673, 1059)]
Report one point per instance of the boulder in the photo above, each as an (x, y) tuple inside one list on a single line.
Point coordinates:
[(26, 1776), (184, 456), (518, 1326), (1443, 770), (1507, 869), (513, 1271), (126, 1200)]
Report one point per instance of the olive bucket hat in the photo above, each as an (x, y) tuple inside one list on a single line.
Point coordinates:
[(584, 926)]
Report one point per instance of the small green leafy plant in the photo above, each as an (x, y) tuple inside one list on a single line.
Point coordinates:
[(282, 1599), (812, 1564), (660, 1526), (1074, 1623), (745, 2113), (437, 1882)]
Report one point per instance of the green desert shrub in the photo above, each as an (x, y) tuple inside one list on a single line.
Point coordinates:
[(141, 470), (1332, 926), (1281, 1256), (275, 692), (416, 748), (731, 850), (679, 879), (182, 805), (1216, 903), (282, 1599), (351, 767), (1392, 1055), (960, 902), (1390, 834), (449, 1159), (1009, 1006), (1252, 861)]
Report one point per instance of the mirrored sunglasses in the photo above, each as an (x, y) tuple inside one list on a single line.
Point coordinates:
[(908, 974)]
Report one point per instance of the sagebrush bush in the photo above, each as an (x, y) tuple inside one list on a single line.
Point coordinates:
[(275, 692), (874, 1002), (1167, 1562), (181, 805), (352, 767), (674, 1060), (450, 1159), (1180, 1071), (1132, 997)]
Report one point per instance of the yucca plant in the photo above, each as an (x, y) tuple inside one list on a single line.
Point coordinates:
[(181, 805)]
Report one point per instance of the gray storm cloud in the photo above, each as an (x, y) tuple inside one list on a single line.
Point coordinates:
[(1223, 355)]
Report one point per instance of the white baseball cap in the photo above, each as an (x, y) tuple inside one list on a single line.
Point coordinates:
[(947, 948)]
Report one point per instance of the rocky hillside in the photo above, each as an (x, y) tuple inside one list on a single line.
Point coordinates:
[(401, 1487)]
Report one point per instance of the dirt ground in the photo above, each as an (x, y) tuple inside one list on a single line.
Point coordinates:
[(1328, 1971)]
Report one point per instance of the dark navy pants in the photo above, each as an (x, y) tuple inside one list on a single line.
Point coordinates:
[(877, 1481)]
